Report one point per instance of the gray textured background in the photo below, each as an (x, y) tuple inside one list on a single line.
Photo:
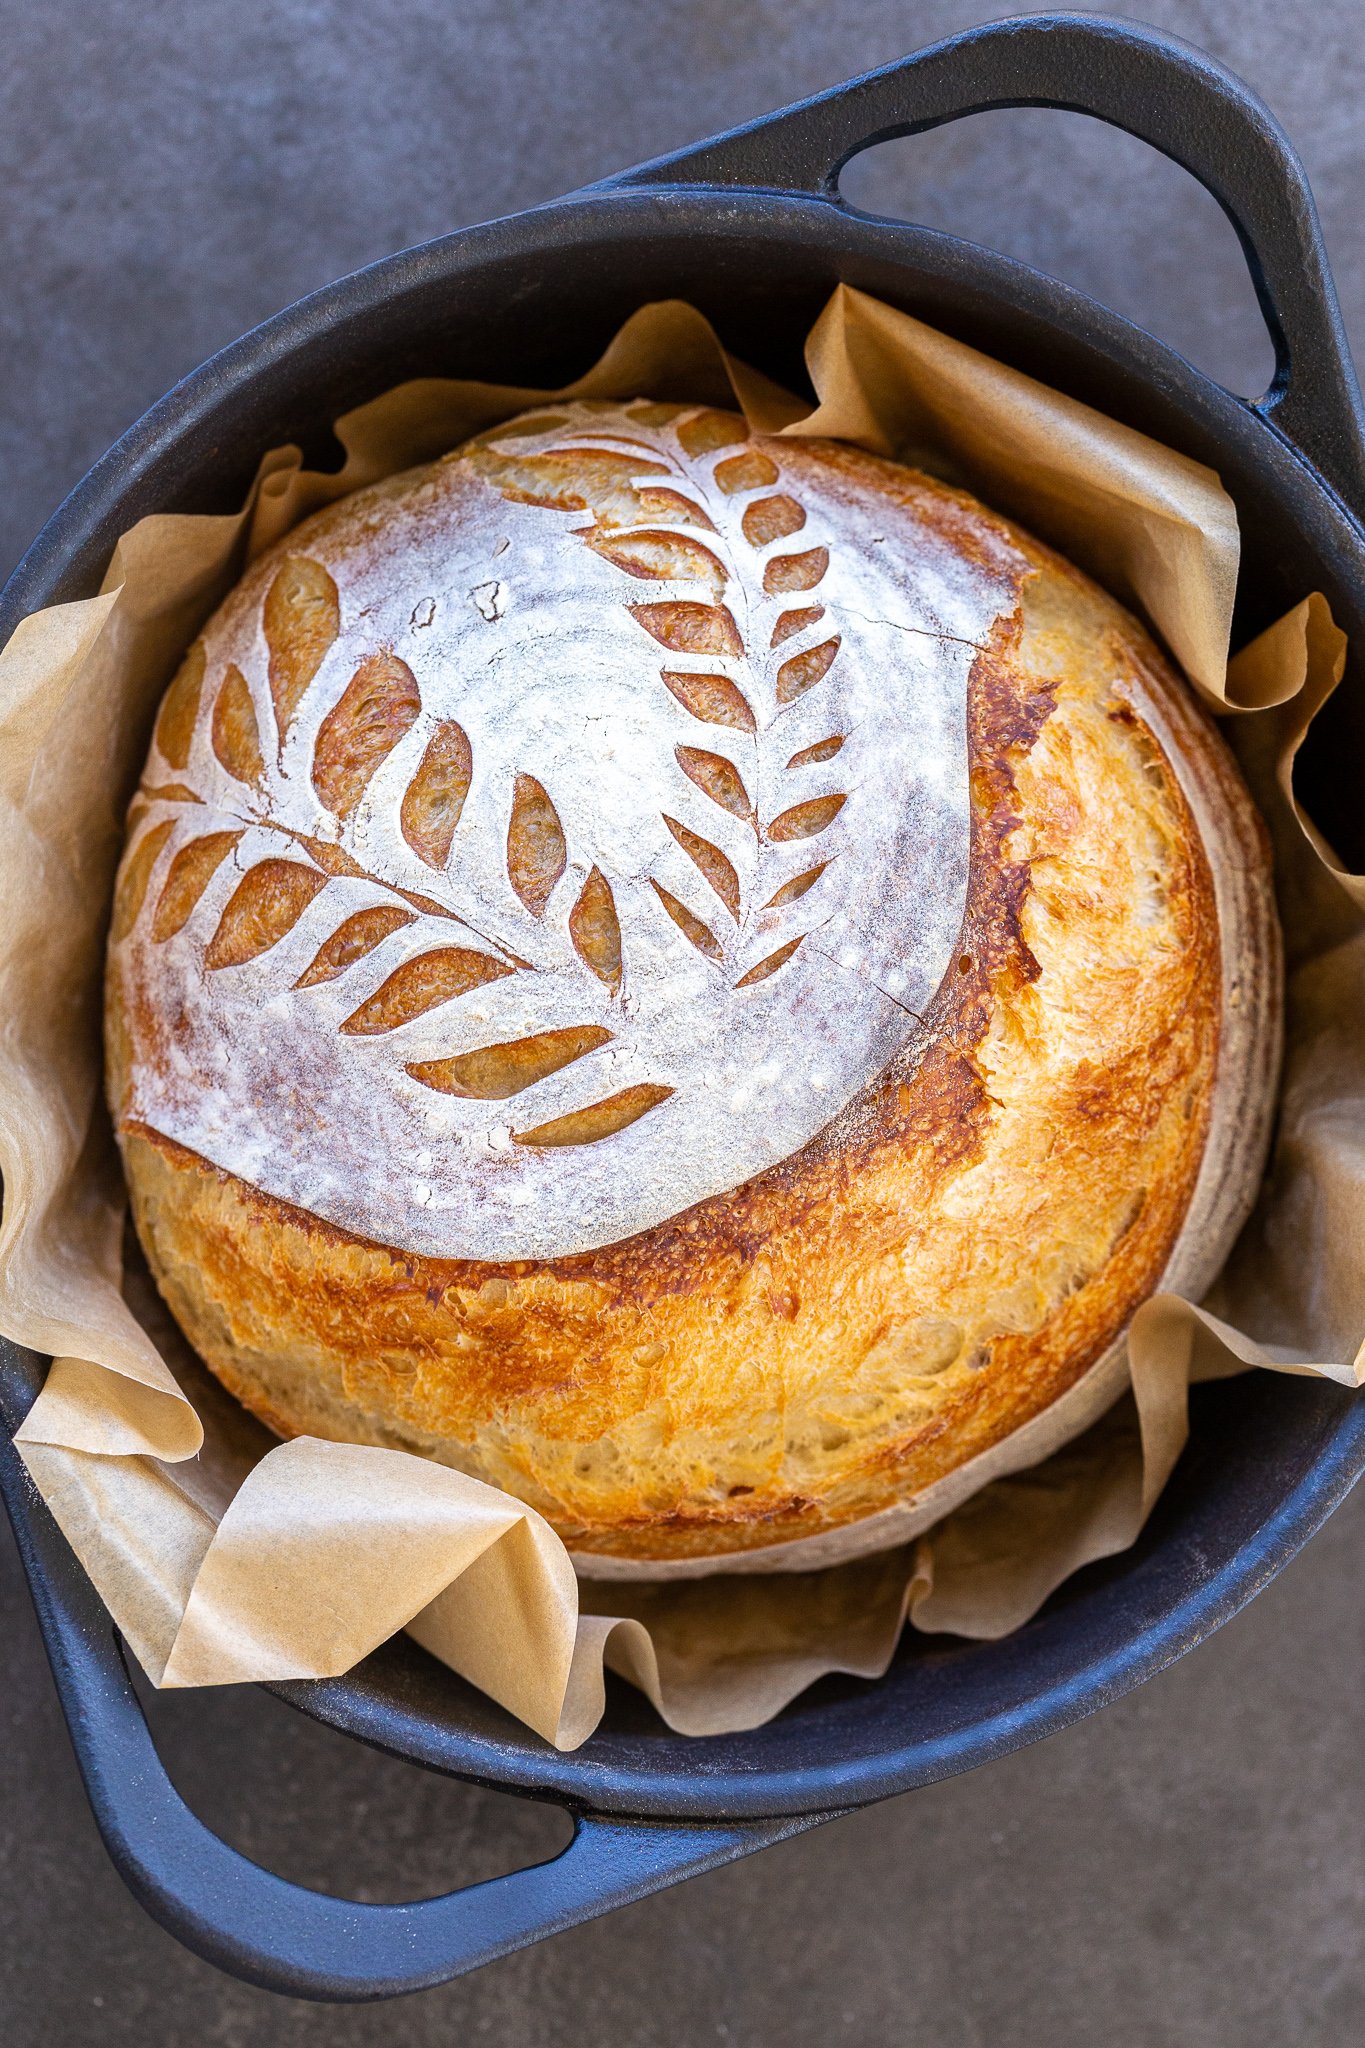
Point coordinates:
[(1188, 1868)]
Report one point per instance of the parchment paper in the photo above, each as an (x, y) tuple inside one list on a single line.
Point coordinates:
[(224, 1556)]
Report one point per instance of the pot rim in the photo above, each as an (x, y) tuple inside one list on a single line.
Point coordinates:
[(154, 467)]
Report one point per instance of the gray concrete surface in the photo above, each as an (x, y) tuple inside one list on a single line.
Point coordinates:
[(1188, 1868)]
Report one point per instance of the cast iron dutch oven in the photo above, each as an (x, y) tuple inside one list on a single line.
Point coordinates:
[(751, 227)]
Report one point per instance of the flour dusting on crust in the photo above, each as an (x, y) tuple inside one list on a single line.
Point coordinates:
[(544, 841)]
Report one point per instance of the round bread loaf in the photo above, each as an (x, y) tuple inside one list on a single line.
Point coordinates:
[(696, 977)]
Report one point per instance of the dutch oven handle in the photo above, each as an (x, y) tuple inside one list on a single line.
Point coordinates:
[(280, 1935), (1158, 88)]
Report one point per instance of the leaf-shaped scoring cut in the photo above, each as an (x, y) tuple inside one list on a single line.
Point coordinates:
[(770, 519), (267, 902), (750, 471), (435, 797), (300, 620), (190, 874), (804, 671), (420, 985), (717, 778), (712, 429), (334, 859), (803, 821), (713, 699), (795, 889), (691, 927), (595, 930), (180, 708), (796, 622), (795, 572), (602, 1120), (770, 965), (376, 708), (163, 793), (536, 853), (719, 872), (496, 1071), (662, 558), (685, 627), (570, 479), (652, 413), (658, 501), (351, 941), (236, 736), (137, 873), (823, 750)]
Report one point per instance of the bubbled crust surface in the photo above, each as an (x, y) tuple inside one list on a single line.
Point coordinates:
[(943, 1262)]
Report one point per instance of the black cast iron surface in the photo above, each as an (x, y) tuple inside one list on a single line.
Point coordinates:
[(751, 228)]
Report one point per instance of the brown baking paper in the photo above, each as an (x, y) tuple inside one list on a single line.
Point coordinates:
[(225, 1556)]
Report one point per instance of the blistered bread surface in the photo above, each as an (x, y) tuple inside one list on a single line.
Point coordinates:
[(674, 971)]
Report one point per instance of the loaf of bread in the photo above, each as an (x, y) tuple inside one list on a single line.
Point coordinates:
[(698, 978)]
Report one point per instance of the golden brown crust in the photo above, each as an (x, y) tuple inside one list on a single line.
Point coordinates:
[(938, 1267)]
